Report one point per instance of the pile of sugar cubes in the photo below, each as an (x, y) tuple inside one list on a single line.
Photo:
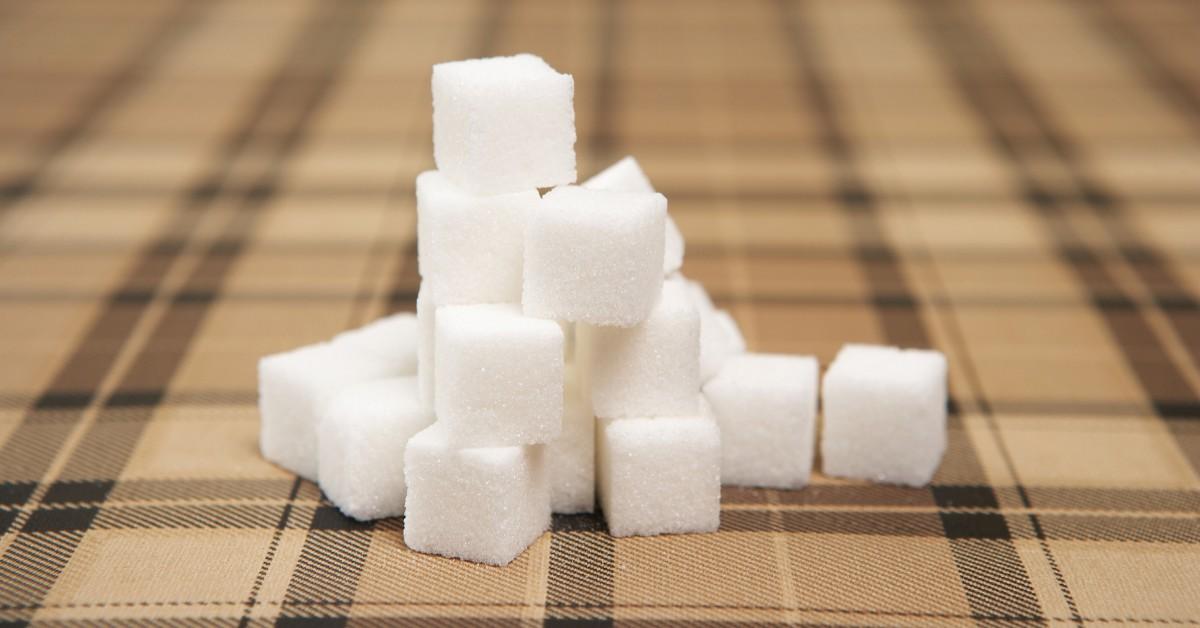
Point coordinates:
[(558, 358)]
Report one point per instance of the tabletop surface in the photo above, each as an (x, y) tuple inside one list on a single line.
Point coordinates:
[(185, 187)]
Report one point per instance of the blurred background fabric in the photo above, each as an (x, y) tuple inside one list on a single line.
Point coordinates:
[(187, 186)]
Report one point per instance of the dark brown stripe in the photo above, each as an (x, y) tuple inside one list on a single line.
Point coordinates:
[(1185, 531), (582, 583), (136, 68), (1003, 587), (1127, 37), (966, 41), (865, 496), (1159, 377), (902, 324), (1172, 294)]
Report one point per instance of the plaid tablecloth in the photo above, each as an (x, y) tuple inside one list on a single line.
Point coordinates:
[(189, 186)]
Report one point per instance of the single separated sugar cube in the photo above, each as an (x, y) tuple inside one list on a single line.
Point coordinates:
[(594, 256), (392, 337), (720, 338), (766, 406), (650, 369), (470, 247), (659, 475), (499, 376), (571, 458), (627, 176), (885, 414), (503, 124), (485, 504), (361, 439), (293, 388)]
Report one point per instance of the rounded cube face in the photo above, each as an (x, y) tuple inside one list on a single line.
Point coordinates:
[(885, 415), (659, 475), (393, 338), (627, 176), (571, 458), (362, 436), (720, 338), (293, 389), (594, 256), (766, 406), (503, 124), (484, 505), (650, 369), (471, 247), (499, 376)]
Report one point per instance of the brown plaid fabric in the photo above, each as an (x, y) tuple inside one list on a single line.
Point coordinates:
[(185, 187)]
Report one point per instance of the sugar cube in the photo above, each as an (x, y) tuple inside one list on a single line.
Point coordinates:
[(650, 369), (503, 124), (471, 248), (392, 337), (484, 504), (627, 176), (720, 338), (571, 456), (672, 247), (594, 256), (885, 414), (766, 407), (293, 388), (499, 375), (425, 363), (361, 438), (659, 475), (733, 333)]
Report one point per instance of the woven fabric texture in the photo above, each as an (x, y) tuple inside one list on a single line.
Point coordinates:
[(185, 187)]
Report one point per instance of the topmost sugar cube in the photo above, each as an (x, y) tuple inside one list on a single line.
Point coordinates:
[(503, 124)]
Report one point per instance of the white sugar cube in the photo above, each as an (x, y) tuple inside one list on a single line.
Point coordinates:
[(293, 388), (594, 256), (361, 439), (885, 414), (503, 124), (672, 247), (766, 406), (733, 333), (484, 504), (392, 337), (720, 338), (571, 457), (627, 176), (425, 363), (659, 475), (499, 375), (650, 369), (471, 247)]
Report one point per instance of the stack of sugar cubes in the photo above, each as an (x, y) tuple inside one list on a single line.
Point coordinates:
[(558, 358)]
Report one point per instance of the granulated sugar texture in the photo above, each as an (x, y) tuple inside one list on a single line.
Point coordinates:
[(558, 358)]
